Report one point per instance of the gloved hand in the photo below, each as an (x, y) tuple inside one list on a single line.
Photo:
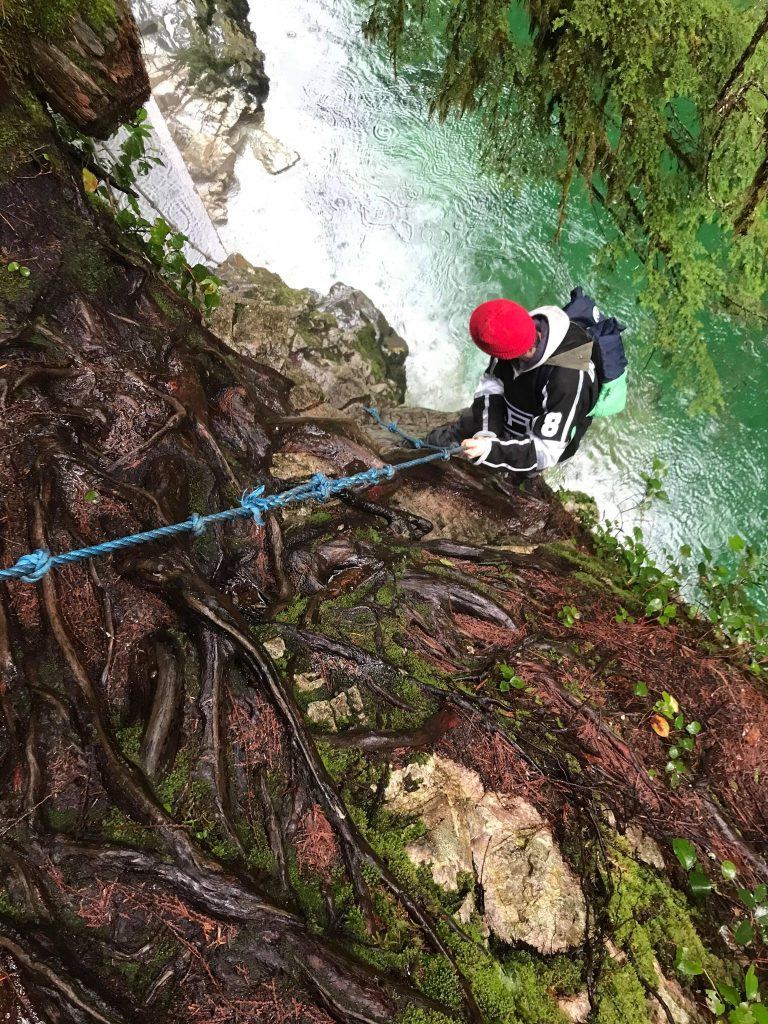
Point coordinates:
[(478, 447)]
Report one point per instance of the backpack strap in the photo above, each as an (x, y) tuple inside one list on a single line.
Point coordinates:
[(577, 358)]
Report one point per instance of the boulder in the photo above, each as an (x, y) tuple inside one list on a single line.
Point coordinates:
[(339, 350), (530, 893)]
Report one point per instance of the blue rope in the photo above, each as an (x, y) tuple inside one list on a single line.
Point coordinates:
[(31, 567)]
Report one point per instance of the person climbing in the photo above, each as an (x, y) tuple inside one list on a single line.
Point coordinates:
[(551, 371)]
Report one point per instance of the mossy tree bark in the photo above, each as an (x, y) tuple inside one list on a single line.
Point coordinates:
[(177, 839)]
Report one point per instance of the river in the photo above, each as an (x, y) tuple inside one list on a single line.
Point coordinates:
[(397, 205)]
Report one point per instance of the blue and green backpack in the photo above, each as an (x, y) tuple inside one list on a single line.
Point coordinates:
[(608, 353)]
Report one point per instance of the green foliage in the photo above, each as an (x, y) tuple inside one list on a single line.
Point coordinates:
[(18, 268), (569, 615), (158, 240), (654, 112)]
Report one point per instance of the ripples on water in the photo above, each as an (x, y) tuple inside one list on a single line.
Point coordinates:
[(396, 205)]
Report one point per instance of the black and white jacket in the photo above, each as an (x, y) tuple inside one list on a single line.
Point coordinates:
[(536, 416)]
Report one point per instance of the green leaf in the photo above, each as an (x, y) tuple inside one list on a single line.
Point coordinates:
[(694, 728), (744, 933), (751, 985), (91, 496), (729, 870), (12, 267), (715, 1003), (506, 672), (686, 742), (685, 551), (685, 852), (641, 690), (729, 993), (741, 1015), (700, 883), (679, 721), (760, 1013), (504, 686), (736, 543), (688, 965)]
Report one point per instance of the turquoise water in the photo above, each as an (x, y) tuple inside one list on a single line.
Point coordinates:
[(397, 205)]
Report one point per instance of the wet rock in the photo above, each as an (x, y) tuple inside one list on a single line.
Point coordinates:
[(208, 78), (530, 893), (341, 345), (271, 153)]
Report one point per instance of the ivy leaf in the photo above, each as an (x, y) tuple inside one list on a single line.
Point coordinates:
[(694, 728), (744, 933), (641, 690), (736, 543), (685, 852), (729, 870)]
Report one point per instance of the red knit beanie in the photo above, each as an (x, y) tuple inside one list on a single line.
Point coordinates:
[(502, 328)]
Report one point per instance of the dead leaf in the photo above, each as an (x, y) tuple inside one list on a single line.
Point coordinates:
[(752, 735), (90, 181), (660, 726)]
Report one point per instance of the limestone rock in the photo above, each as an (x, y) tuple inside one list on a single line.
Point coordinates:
[(531, 895), (339, 712), (275, 647), (307, 682), (646, 849), (341, 345), (320, 713)]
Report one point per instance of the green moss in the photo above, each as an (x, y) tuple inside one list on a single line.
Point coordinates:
[(172, 784), (593, 572), (50, 19), (293, 613), (419, 1016), (620, 997), (24, 129), (86, 267), (370, 350), (60, 820), (122, 829), (651, 918), (10, 909), (129, 740)]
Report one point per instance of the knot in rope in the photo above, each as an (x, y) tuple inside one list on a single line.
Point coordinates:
[(197, 524), (387, 471), (255, 504), (321, 487), (32, 567), (447, 453)]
